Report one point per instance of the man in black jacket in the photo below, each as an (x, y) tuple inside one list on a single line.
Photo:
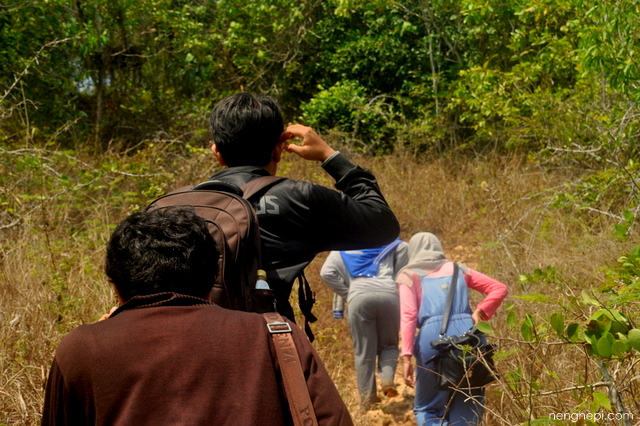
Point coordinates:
[(297, 219)]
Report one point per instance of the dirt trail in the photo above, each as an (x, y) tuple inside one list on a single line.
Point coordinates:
[(394, 411)]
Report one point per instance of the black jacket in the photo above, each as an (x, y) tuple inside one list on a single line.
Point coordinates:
[(300, 219)]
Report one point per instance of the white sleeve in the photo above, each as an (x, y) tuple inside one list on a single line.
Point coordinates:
[(401, 257), (335, 274)]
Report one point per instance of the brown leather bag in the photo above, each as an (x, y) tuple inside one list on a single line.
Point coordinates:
[(233, 223)]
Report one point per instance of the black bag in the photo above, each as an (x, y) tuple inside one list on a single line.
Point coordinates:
[(462, 361), (233, 223)]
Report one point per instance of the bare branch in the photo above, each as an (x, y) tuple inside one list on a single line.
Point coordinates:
[(570, 388), (18, 77)]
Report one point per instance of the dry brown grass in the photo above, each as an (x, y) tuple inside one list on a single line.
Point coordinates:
[(493, 214)]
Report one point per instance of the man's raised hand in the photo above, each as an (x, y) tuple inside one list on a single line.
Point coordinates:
[(313, 148)]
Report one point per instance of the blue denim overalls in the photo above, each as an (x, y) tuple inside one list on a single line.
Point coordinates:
[(431, 405)]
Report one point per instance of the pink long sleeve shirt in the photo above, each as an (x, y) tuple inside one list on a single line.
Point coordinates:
[(410, 291)]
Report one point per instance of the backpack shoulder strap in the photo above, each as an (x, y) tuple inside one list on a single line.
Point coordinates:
[(306, 300), (306, 296), (295, 385), (450, 295), (259, 185)]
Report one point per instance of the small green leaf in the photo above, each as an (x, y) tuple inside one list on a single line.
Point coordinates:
[(603, 324), (557, 322), (511, 319), (605, 345), (553, 374), (588, 300), (527, 329), (484, 327), (534, 297), (634, 338), (572, 332), (619, 348), (600, 400), (611, 314)]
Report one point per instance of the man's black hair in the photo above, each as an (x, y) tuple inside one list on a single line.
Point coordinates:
[(246, 128), (158, 251)]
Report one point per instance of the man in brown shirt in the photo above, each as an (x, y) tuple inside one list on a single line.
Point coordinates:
[(168, 356)]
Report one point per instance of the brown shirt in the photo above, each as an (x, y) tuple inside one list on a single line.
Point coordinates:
[(176, 360)]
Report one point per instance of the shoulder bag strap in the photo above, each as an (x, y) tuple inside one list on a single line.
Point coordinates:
[(295, 385), (306, 300), (447, 309), (260, 184)]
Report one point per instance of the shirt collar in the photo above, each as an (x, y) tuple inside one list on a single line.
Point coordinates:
[(161, 299)]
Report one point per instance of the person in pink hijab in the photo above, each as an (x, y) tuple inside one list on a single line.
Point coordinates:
[(423, 287)]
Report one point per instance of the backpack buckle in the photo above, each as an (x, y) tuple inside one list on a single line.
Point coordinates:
[(278, 327)]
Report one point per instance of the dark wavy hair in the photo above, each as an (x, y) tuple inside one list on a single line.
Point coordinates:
[(168, 250), (246, 128)]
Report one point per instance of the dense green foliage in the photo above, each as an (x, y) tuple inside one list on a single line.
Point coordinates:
[(538, 76), (555, 80)]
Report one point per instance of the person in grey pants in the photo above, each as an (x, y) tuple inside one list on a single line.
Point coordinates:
[(366, 279)]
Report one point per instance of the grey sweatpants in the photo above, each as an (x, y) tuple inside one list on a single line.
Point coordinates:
[(374, 320)]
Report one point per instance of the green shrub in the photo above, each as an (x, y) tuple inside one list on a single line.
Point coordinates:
[(365, 124)]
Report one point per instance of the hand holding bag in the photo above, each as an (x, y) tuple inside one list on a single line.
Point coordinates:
[(462, 361)]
